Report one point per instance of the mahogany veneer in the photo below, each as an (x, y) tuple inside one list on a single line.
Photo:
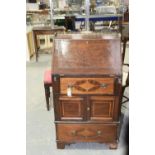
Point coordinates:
[(87, 132), (87, 88), (88, 85)]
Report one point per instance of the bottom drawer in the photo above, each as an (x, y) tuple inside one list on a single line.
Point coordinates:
[(86, 132)]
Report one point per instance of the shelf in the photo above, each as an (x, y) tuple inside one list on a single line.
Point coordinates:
[(46, 11)]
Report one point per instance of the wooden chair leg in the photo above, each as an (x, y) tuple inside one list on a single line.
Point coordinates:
[(122, 96), (126, 99), (123, 90), (47, 95), (124, 49)]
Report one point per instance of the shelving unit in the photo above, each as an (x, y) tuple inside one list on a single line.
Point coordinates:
[(87, 11), (94, 15)]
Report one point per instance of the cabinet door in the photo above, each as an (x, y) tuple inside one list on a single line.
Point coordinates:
[(101, 108), (72, 108)]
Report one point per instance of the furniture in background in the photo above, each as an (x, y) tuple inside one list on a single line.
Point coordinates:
[(30, 42), (70, 23), (86, 11), (30, 12), (102, 18), (125, 39), (47, 86), (86, 79), (126, 15), (45, 42), (44, 31), (96, 23), (35, 15), (83, 12)]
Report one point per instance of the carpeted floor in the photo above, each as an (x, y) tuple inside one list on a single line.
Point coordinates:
[(40, 122)]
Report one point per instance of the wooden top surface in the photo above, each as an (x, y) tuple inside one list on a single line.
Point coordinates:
[(88, 35), (87, 54)]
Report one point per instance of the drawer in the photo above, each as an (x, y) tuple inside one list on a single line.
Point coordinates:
[(87, 85), (87, 132)]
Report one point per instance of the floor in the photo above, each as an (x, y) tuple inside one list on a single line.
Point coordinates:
[(40, 122)]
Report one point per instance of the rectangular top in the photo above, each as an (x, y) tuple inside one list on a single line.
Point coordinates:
[(87, 54)]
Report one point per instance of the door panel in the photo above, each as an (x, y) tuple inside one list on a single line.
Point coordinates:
[(101, 108), (71, 108)]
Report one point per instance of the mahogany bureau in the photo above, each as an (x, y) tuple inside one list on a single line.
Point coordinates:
[(87, 88)]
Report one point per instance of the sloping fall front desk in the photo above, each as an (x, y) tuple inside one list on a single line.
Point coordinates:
[(86, 88)]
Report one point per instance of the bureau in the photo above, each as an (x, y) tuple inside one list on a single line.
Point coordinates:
[(86, 88)]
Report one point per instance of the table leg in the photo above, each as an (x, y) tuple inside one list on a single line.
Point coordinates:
[(124, 48), (120, 25), (35, 45)]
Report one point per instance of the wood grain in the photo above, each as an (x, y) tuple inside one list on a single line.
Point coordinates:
[(101, 108), (90, 66), (87, 85), (87, 132), (71, 108), (91, 54)]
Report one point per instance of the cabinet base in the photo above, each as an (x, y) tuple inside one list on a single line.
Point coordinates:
[(113, 146), (61, 145)]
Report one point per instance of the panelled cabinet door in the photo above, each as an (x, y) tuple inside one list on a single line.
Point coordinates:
[(101, 108), (72, 108)]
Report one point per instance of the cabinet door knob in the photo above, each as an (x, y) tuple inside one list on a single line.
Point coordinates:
[(88, 108)]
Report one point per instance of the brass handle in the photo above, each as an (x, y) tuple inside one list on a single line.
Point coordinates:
[(99, 132), (104, 85), (73, 132)]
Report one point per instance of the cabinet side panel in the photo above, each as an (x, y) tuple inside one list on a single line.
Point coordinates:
[(56, 90)]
